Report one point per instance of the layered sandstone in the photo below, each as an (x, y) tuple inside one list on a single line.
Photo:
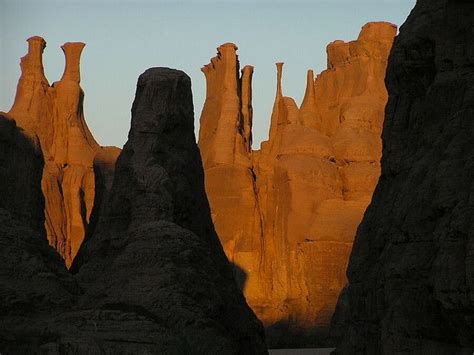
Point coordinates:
[(287, 214), (55, 115), (411, 272), (152, 276)]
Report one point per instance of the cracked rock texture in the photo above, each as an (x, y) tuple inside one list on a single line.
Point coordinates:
[(287, 214), (411, 272), (151, 277)]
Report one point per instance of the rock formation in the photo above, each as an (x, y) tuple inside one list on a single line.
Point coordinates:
[(55, 115), (225, 144), (21, 165), (288, 213), (157, 227), (34, 284), (152, 276), (411, 272)]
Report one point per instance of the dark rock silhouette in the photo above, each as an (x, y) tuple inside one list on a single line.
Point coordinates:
[(34, 283), (21, 168), (152, 277), (157, 227), (411, 272)]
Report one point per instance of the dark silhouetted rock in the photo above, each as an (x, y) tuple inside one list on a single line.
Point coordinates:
[(152, 276), (21, 165), (411, 272), (157, 227), (34, 283)]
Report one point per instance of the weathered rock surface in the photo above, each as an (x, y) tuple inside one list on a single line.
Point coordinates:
[(411, 272), (55, 115), (288, 213), (157, 227), (152, 277)]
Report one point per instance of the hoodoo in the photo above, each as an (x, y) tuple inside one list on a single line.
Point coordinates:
[(55, 115), (287, 214)]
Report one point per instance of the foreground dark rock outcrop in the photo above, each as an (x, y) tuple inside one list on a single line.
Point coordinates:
[(287, 214), (155, 248), (411, 272), (21, 167), (34, 283), (152, 276)]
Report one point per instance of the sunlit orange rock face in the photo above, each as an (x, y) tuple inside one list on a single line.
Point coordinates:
[(287, 214), (55, 115)]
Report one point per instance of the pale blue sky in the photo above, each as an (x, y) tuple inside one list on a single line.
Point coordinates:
[(124, 38)]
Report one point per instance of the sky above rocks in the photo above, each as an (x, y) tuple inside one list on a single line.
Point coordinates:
[(124, 38)]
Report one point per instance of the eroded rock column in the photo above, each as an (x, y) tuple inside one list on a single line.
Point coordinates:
[(55, 114), (225, 144)]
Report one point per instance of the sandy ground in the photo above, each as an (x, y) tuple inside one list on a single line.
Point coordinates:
[(321, 351)]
